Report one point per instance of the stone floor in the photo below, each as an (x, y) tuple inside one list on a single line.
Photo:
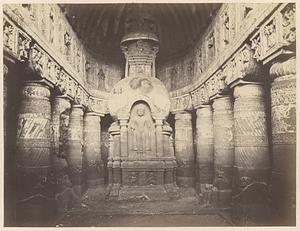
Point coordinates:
[(96, 220), (144, 211), (141, 212)]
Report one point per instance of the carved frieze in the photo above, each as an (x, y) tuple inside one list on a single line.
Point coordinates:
[(216, 84), (9, 34), (289, 23), (200, 96), (37, 59), (181, 103), (242, 66), (46, 67), (275, 34), (23, 47)]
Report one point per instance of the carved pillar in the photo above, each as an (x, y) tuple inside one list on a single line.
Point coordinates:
[(34, 188), (10, 113), (92, 150), (60, 105), (124, 137), (223, 149), (5, 73), (74, 147), (159, 137), (184, 151), (252, 163), (205, 145), (114, 159), (170, 164), (283, 119)]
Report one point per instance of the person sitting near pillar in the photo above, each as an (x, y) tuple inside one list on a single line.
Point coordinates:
[(208, 195), (65, 195)]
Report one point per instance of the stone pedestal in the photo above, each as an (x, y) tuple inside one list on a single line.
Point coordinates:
[(34, 188), (184, 151), (205, 146), (252, 161), (74, 152), (283, 119), (92, 150), (223, 149)]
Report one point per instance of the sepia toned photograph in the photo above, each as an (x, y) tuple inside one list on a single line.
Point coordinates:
[(141, 114)]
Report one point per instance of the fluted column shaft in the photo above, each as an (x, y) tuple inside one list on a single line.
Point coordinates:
[(283, 120), (205, 145), (184, 150), (34, 153), (74, 152), (223, 149), (92, 150)]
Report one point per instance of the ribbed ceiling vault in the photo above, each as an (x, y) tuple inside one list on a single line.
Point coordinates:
[(101, 26)]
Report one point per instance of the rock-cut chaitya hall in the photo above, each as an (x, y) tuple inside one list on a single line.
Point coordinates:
[(142, 114)]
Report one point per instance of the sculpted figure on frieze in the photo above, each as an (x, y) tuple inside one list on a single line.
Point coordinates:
[(8, 30), (23, 47), (289, 20)]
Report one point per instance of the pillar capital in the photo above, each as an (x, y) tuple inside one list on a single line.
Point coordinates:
[(77, 106), (183, 115), (158, 122), (249, 90), (64, 97), (123, 122), (77, 109), (284, 68), (204, 110), (62, 102), (36, 89), (222, 103), (93, 114)]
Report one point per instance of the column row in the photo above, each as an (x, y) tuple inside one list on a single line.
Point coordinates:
[(58, 150), (232, 147)]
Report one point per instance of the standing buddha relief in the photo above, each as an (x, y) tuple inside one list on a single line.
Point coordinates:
[(141, 131)]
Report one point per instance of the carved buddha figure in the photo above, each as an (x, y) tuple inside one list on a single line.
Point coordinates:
[(141, 129)]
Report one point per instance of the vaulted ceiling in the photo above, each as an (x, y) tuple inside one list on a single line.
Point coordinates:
[(101, 26)]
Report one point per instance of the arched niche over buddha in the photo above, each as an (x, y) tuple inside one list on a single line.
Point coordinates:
[(141, 131)]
